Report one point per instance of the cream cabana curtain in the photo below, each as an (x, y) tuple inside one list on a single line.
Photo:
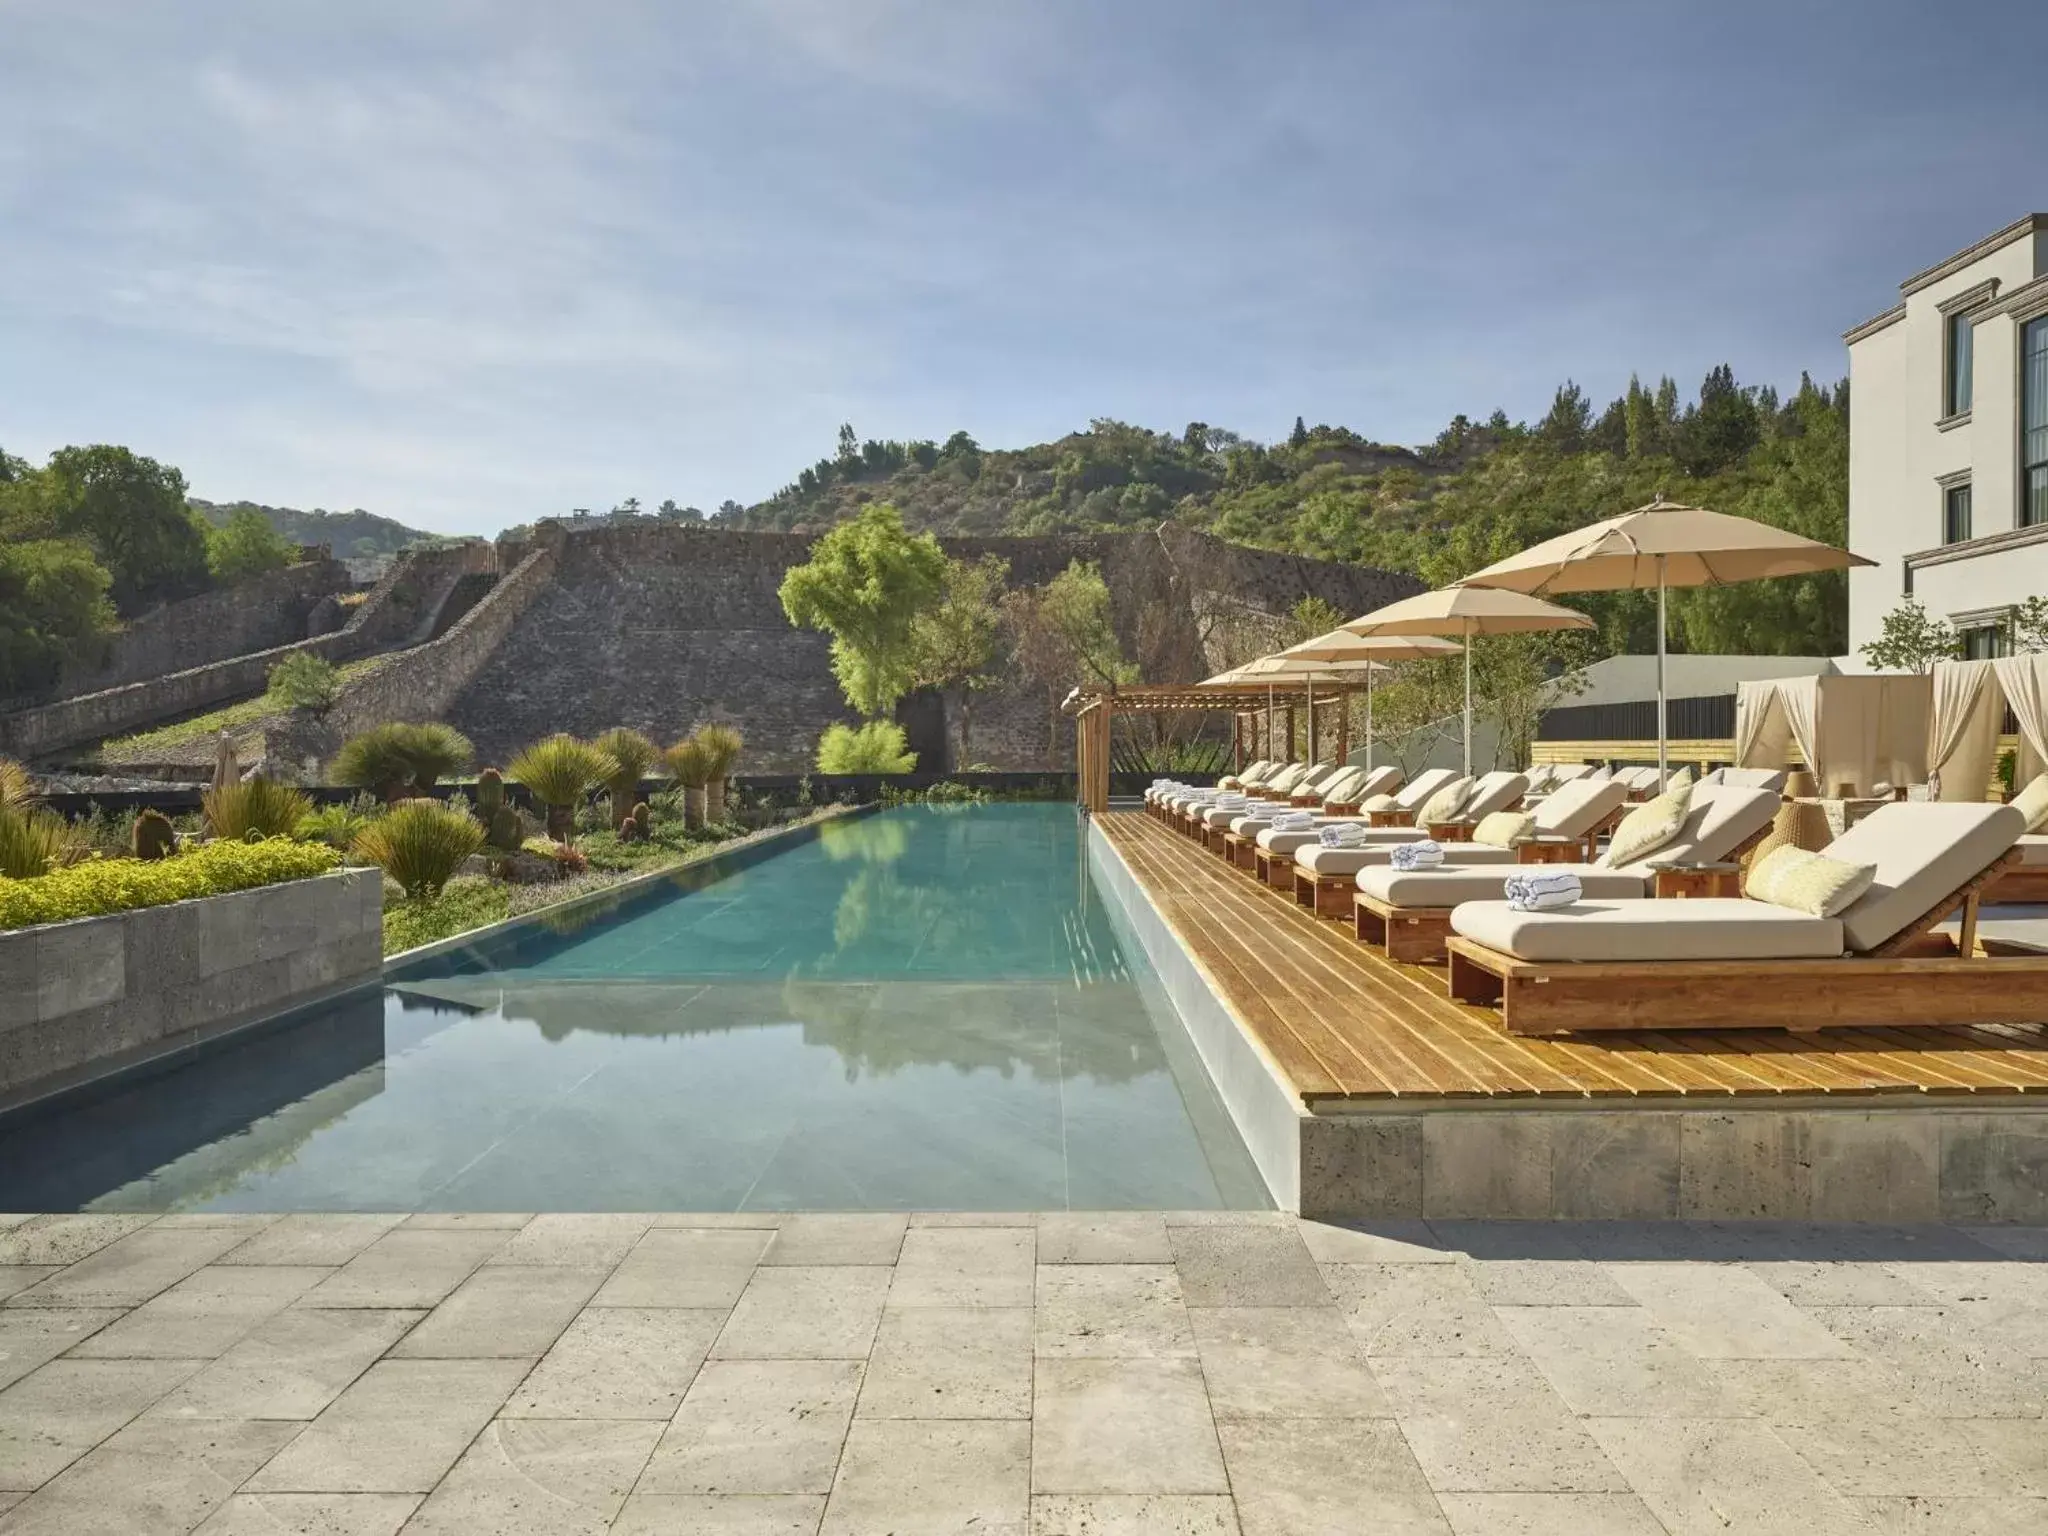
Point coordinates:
[(1761, 735), (1962, 732), (1799, 703), (2024, 680), (1855, 731)]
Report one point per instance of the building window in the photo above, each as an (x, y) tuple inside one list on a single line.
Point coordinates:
[(1955, 513), (1956, 398), (1981, 642), (2034, 423)]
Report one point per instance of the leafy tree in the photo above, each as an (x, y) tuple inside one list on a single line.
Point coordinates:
[(305, 681), (1311, 617), (1911, 640), (1564, 428), (865, 584), (2030, 626), (246, 545), (53, 606), (1298, 438), (131, 510), (1075, 604), (956, 637)]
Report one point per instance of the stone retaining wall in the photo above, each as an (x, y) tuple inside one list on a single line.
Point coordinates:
[(78, 999)]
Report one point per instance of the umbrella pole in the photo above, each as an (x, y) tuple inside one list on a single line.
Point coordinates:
[(1311, 692), (1468, 698), (1368, 720), (1663, 749)]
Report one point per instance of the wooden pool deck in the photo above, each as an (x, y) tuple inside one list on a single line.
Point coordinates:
[(1344, 1024)]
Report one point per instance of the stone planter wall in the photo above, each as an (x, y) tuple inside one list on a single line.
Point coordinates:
[(80, 998)]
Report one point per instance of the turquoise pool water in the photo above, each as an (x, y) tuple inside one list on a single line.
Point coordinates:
[(919, 1008)]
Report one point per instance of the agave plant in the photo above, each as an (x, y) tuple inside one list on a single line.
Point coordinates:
[(634, 754), (17, 791), (723, 744), (559, 772), (690, 764), (254, 808), (401, 758), (420, 844), (33, 842)]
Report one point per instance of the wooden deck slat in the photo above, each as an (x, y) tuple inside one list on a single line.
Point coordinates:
[(1341, 1021)]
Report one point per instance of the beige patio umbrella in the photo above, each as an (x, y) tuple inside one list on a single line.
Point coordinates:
[(1276, 673), (1340, 645), (1467, 611), (226, 770), (1662, 545)]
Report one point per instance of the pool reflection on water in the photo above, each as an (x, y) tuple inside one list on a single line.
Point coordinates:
[(921, 1008)]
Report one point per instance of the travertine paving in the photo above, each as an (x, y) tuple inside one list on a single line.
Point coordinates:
[(1050, 1375)]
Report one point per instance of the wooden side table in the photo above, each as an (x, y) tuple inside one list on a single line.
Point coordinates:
[(1676, 881), (1390, 818), (1558, 850), (1450, 831)]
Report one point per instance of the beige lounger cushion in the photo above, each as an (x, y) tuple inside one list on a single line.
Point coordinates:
[(1383, 780), (1648, 827), (2032, 803), (1924, 852), (1808, 882), (1347, 861), (1574, 808), (1720, 821), (1706, 928), (1475, 879), (1417, 793), (1503, 829), (2034, 851)]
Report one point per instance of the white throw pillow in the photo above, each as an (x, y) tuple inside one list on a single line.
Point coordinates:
[(1504, 829), (1809, 882), (1647, 828), (1445, 804)]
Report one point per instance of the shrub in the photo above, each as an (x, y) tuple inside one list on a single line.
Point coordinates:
[(879, 746), (420, 844), (469, 901), (99, 886), (34, 841), (632, 755), (567, 858), (401, 757), (559, 772), (337, 825), (153, 836), (305, 681), (254, 808), (17, 790)]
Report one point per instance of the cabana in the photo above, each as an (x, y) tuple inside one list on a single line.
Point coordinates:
[(1970, 700), (1855, 732)]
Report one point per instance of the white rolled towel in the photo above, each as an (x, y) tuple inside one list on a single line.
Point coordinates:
[(1426, 854), (1341, 834), (1293, 821), (1541, 893)]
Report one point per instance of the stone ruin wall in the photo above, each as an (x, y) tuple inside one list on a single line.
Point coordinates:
[(661, 628)]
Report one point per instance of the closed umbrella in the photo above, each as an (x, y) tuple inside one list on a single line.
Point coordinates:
[(1340, 645), (1467, 611), (1662, 545)]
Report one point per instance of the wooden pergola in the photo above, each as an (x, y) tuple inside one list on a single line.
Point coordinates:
[(1094, 706)]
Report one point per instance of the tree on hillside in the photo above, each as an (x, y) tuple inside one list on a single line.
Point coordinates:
[(1310, 617), (246, 545), (956, 637), (53, 608), (1298, 438), (1564, 426), (865, 584), (131, 510), (1911, 640)]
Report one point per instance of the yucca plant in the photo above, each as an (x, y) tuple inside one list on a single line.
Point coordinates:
[(634, 754), (420, 844), (401, 758), (17, 792), (723, 743), (335, 825), (559, 772), (254, 808), (689, 764), (33, 842)]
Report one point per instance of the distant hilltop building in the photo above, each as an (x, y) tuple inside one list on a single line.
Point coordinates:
[(1948, 441)]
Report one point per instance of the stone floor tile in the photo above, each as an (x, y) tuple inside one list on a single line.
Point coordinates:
[(824, 1313), (1415, 1309), (55, 1415), (974, 1219), (503, 1311), (1953, 1517), (64, 1240), (1123, 1426), (1726, 1312), (811, 1241), (409, 1267), (575, 1239), (1808, 1283), (19, 1277), (1492, 1426), (247, 1223), (469, 1221), (686, 1267), (1246, 1267), (539, 1477), (1546, 1283), (1615, 1361), (1951, 1370), (1103, 1237), (965, 1267), (618, 1363), (1228, 1218), (155, 1476), (2004, 1301), (1809, 1389), (1873, 1452), (1286, 1362), (1133, 1514), (131, 1269), (398, 1429), (291, 1367), (757, 1427), (311, 1514), (950, 1363), (320, 1239), (741, 1514), (912, 1477), (1327, 1477), (1712, 1476), (760, 1221), (1385, 1240), (1548, 1514), (2018, 1447), (31, 1335), (1104, 1310), (205, 1314), (1508, 1241)]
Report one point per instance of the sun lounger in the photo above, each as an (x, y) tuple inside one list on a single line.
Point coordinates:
[(1249, 774), (1341, 798), (2027, 879), (1736, 963), (1772, 779), (1409, 913), (1321, 878)]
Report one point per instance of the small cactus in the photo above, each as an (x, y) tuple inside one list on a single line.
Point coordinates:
[(504, 828), (643, 820), (490, 794), (154, 837)]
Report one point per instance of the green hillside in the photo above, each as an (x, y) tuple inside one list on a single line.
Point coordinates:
[(347, 533), (1480, 491)]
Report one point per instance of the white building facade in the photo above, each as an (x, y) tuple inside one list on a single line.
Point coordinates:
[(1948, 441)]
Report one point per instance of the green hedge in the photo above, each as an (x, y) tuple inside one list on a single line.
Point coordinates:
[(99, 886)]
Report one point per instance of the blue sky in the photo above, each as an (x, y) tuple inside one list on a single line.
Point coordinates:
[(471, 263)]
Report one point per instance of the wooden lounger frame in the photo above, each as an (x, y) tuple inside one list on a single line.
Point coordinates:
[(1899, 983), (2025, 883)]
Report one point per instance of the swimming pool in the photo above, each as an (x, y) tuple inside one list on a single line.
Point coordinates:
[(919, 1008)]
